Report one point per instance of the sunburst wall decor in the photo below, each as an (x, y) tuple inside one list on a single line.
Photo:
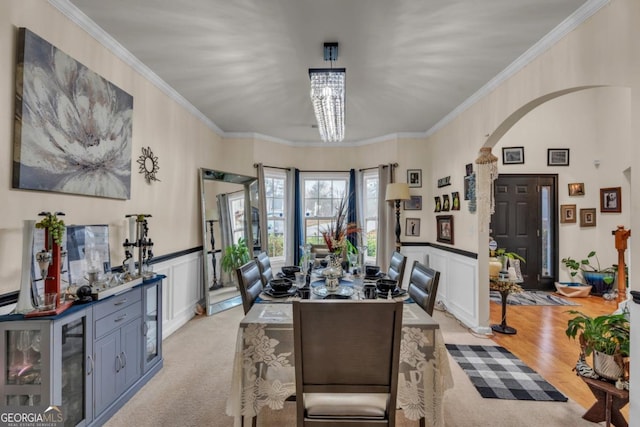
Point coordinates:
[(148, 165)]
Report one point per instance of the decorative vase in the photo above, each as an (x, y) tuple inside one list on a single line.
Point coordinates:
[(25, 302), (606, 366)]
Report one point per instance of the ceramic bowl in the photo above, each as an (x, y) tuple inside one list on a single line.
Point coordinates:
[(281, 285), (386, 285), (372, 270), (290, 270)]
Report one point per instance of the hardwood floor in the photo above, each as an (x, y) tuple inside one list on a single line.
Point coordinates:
[(542, 344)]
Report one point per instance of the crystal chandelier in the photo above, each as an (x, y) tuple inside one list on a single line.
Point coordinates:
[(327, 96)]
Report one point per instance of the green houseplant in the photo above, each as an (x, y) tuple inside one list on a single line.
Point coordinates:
[(235, 256), (600, 279), (606, 336)]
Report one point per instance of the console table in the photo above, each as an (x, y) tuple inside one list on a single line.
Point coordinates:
[(87, 361)]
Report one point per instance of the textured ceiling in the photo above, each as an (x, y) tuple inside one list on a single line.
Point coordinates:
[(244, 63)]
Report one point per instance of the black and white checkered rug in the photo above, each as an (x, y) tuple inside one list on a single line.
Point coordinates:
[(498, 374)]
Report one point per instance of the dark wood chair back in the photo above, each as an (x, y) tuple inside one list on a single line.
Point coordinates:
[(423, 286), (346, 347), (396, 267), (250, 282), (264, 264)]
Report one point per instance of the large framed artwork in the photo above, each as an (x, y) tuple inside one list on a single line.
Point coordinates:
[(444, 229), (72, 127)]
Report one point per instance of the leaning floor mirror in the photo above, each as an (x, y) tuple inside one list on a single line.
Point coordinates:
[(230, 211)]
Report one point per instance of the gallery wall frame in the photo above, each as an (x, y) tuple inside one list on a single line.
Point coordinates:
[(557, 157), (568, 213), (588, 217), (414, 178), (576, 189), (446, 203), (412, 227), (512, 155), (611, 200), (438, 204), (72, 127), (413, 204), (444, 229)]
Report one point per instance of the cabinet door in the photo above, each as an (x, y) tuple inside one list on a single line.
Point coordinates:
[(24, 360), (130, 357), (152, 325), (107, 364), (72, 367)]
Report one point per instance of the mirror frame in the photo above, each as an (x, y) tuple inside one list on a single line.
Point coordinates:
[(232, 178)]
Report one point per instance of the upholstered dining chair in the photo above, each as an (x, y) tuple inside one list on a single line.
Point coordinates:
[(396, 267), (250, 283), (423, 286), (348, 374), (264, 264)]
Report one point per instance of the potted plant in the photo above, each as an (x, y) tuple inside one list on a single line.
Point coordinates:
[(235, 256), (600, 279), (607, 337)]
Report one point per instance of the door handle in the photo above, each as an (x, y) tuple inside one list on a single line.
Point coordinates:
[(118, 363), (122, 301), (90, 360), (123, 358)]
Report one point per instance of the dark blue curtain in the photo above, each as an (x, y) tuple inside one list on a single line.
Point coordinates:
[(298, 217), (352, 214)]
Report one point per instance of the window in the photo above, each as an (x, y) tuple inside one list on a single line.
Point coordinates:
[(275, 185), (236, 210), (370, 229), (322, 194)]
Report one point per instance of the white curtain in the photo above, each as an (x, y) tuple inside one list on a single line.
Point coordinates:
[(361, 194), (386, 219), (262, 210), (226, 235), (290, 197)]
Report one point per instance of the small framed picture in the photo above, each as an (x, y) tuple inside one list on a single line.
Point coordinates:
[(412, 227), (455, 201), (558, 157), (414, 178), (512, 155), (413, 204), (444, 229), (588, 217), (576, 189), (468, 168), (568, 213), (438, 207), (610, 200), (446, 204)]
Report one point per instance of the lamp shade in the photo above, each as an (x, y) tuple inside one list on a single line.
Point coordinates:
[(211, 214), (397, 191)]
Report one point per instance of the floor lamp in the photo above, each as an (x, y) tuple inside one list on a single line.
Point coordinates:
[(212, 217), (396, 192)]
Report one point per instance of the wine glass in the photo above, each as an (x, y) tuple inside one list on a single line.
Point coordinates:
[(23, 345)]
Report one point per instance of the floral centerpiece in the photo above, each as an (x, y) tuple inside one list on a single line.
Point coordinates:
[(336, 233)]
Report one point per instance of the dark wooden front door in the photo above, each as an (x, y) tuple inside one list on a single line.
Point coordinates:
[(525, 222)]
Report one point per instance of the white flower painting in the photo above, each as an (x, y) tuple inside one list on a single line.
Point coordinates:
[(72, 127)]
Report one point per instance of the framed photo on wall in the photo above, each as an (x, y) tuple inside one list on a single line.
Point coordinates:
[(567, 213), (576, 189), (438, 206), (610, 200), (412, 227), (588, 217), (414, 178), (558, 157), (512, 155), (413, 204), (444, 229)]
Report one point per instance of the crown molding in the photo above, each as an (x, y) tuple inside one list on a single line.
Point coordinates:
[(587, 10)]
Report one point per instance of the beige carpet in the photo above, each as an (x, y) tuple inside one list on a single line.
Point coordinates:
[(192, 388)]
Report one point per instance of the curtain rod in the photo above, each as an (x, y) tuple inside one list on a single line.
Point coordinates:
[(255, 165), (395, 165)]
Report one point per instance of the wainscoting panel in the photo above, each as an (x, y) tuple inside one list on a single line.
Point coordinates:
[(458, 288), (182, 289)]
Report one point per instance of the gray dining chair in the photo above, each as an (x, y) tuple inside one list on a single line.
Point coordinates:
[(348, 374), (397, 267), (264, 264), (423, 286), (250, 283)]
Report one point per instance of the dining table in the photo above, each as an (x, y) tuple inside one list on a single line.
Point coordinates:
[(264, 374)]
